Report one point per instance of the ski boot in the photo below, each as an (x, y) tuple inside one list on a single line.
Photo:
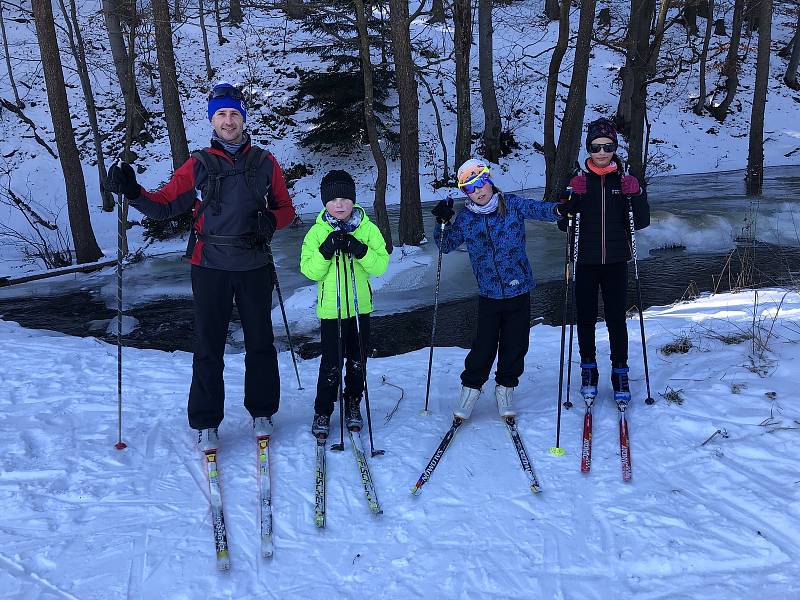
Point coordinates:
[(504, 396), (469, 396), (321, 426), (589, 379), (263, 426), (207, 439), (622, 390), (352, 414)]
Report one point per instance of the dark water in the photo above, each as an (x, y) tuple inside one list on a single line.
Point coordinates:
[(701, 214), (167, 324)]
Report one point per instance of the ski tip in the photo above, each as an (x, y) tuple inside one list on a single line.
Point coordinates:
[(416, 489), (536, 489), (319, 522), (556, 451), (223, 561)]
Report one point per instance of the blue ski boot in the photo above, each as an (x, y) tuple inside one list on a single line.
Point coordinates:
[(619, 380), (589, 378)]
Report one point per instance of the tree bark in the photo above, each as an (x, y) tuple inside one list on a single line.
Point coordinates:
[(491, 113), (552, 93), (76, 45), (218, 18), (632, 107), (86, 248), (411, 230), (790, 78), (552, 10), (235, 16), (206, 53), (755, 155), (569, 139), (379, 203), (12, 81), (462, 42), (731, 69), (173, 115), (111, 15), (701, 100), (437, 12)]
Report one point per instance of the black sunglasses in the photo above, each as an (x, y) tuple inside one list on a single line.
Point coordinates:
[(226, 92), (594, 148)]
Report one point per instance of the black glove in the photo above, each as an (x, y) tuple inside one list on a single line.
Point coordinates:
[(336, 240), (443, 211), (266, 229), (568, 206), (122, 178), (355, 247)]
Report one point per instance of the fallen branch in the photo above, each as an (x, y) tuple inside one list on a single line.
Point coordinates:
[(18, 111)]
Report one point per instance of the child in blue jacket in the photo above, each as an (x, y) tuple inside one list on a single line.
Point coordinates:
[(492, 225)]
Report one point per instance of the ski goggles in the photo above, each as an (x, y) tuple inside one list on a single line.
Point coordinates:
[(595, 148), (476, 182), (231, 92)]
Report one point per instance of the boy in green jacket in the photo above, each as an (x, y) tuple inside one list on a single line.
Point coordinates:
[(340, 232)]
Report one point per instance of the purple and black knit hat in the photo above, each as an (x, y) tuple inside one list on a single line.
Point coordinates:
[(600, 128)]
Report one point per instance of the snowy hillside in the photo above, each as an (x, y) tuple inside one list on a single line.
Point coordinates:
[(269, 48), (702, 518)]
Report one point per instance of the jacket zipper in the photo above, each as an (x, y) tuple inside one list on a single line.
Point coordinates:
[(494, 255), (603, 219)]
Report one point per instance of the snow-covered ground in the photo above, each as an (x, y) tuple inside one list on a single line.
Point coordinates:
[(721, 520)]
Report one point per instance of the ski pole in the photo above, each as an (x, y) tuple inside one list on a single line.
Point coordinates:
[(575, 241), (120, 445), (363, 356), (425, 411), (340, 446), (557, 450), (649, 400), (283, 313)]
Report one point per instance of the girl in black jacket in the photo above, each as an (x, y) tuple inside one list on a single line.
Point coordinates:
[(601, 196)]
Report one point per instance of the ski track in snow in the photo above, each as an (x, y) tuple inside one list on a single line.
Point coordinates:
[(83, 520)]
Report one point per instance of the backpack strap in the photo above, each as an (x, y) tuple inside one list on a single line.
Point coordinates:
[(213, 176)]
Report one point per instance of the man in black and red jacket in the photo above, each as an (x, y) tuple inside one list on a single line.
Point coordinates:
[(244, 200)]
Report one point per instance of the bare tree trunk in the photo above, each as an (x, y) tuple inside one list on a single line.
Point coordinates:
[(411, 230), (439, 129), (76, 46), (173, 115), (111, 14), (206, 53), (86, 248), (632, 109), (177, 13), (569, 139), (20, 103), (731, 69), (552, 10), (701, 100), (462, 42), (755, 154), (379, 203), (491, 113), (437, 12), (218, 18), (235, 16), (790, 78), (658, 36), (552, 92)]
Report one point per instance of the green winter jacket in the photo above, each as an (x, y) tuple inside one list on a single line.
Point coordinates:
[(314, 266)]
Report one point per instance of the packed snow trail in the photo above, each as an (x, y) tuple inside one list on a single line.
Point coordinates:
[(83, 520)]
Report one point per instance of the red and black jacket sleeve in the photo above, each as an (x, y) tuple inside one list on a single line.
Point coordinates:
[(175, 198), (279, 201)]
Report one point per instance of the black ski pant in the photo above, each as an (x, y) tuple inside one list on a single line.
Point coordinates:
[(503, 331), (330, 368), (214, 292), (612, 281)]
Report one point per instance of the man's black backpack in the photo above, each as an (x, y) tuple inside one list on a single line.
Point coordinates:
[(217, 170)]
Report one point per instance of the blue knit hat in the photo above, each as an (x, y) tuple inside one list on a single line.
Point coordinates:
[(225, 95)]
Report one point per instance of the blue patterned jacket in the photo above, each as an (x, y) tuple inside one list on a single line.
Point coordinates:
[(496, 244)]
